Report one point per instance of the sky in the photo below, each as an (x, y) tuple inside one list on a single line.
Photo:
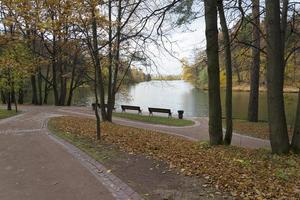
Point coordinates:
[(186, 40)]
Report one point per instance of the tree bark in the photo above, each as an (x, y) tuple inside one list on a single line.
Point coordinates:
[(296, 135), (34, 99), (254, 73), (54, 61), (21, 96), (40, 82), (110, 58), (97, 63), (3, 98), (9, 101), (212, 50), (97, 68), (45, 101), (70, 97), (228, 66), (275, 79)]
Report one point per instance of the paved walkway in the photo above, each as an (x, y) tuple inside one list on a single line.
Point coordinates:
[(197, 132), (36, 165)]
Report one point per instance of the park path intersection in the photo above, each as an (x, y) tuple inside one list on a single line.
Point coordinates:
[(37, 165)]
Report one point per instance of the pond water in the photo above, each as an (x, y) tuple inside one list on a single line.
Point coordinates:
[(180, 95)]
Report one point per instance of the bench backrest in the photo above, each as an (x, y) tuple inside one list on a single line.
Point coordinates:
[(130, 107), (161, 110)]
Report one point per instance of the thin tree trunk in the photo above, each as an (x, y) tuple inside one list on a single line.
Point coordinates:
[(228, 66), (296, 135), (254, 77), (275, 79), (212, 50), (69, 102), (46, 86), (110, 57), (40, 82), (9, 101), (54, 70), (34, 100), (98, 66), (21, 96), (63, 84), (13, 100), (117, 59), (3, 98), (97, 74)]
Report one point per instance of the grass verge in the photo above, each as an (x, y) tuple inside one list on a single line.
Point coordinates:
[(96, 150), (155, 119), (245, 173), (255, 129), (6, 113)]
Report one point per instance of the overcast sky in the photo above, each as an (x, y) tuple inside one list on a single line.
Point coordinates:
[(187, 40)]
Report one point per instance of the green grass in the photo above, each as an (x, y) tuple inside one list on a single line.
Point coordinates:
[(96, 150), (6, 113), (155, 119)]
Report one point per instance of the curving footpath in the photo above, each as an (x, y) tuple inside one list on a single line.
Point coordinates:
[(197, 132), (37, 165)]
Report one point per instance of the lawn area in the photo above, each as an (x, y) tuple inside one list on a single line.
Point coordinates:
[(254, 129), (6, 113), (244, 173), (155, 119)]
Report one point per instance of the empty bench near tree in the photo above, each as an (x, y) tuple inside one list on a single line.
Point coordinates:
[(127, 107), (160, 110)]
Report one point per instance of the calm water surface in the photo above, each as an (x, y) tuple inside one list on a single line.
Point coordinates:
[(180, 95)]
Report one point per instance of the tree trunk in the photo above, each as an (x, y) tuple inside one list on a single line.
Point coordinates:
[(70, 97), (54, 71), (46, 86), (228, 66), (212, 50), (275, 79), (16, 102), (21, 96), (9, 101), (63, 84), (34, 100), (63, 92), (110, 58), (98, 75), (98, 68), (296, 135), (117, 62), (40, 82), (3, 98), (254, 77), (13, 99)]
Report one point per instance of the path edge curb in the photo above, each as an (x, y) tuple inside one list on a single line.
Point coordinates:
[(119, 189)]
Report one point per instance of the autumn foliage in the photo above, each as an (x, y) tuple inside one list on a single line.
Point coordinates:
[(245, 173)]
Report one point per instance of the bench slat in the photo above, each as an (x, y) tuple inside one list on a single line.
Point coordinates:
[(127, 107), (160, 110)]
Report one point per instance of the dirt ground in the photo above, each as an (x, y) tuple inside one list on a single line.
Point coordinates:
[(154, 180)]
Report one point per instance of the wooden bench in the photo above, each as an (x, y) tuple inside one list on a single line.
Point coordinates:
[(160, 110), (127, 107), (99, 106)]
